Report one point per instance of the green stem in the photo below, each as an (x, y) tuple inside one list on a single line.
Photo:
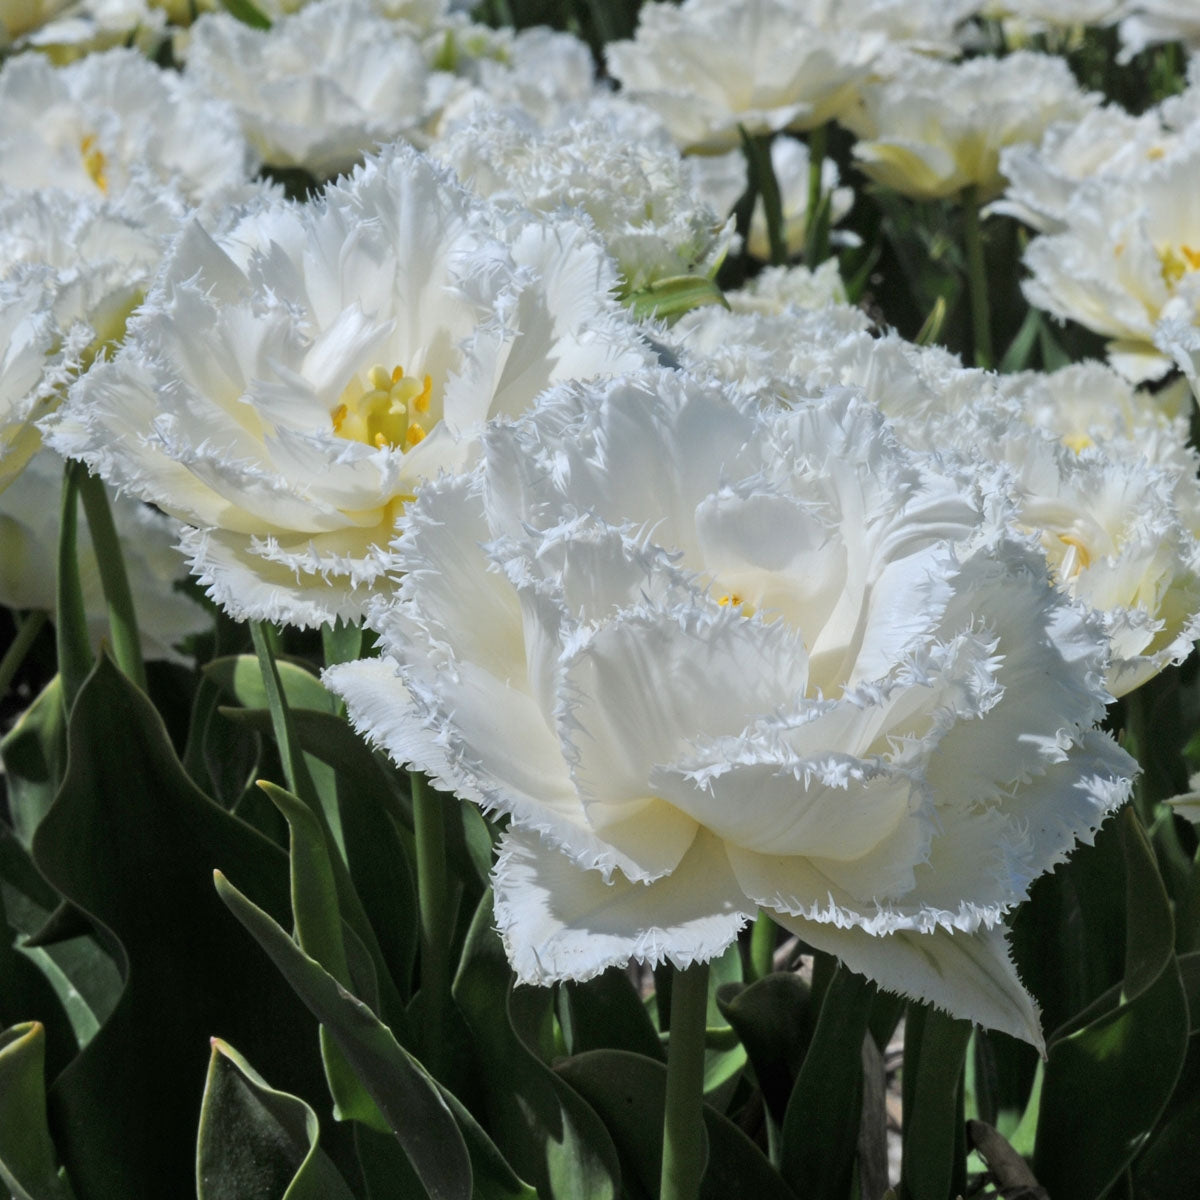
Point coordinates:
[(684, 1141), (295, 769), (70, 625), (981, 316), (761, 174), (762, 946), (818, 141), (122, 618), (14, 656), (429, 826)]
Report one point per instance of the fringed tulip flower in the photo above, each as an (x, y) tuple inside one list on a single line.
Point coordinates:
[(711, 659)]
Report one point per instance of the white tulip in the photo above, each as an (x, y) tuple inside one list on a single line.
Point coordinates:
[(711, 659)]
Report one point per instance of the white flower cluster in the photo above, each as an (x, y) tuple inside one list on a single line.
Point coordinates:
[(757, 607)]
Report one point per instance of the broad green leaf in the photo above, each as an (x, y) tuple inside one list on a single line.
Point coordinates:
[(34, 751), (81, 973), (1107, 1082), (318, 928), (724, 1055), (546, 1130), (132, 843), (820, 1127), (935, 1151), (257, 1143), (240, 677), (27, 1162), (775, 1021), (406, 1095), (628, 1092), (607, 1013)]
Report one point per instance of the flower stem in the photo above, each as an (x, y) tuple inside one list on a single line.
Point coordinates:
[(122, 618), (816, 238), (762, 946), (295, 769), (981, 315), (684, 1155), (14, 656), (429, 825), (70, 625)]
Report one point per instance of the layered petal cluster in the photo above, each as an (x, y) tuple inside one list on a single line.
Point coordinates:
[(1125, 262), (72, 272), (711, 658), (1107, 144), (29, 527), (114, 127), (708, 67), (936, 128), (1099, 473), (1150, 22), (637, 195), (287, 384), (320, 89)]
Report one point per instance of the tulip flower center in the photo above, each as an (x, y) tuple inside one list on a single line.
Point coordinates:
[(1075, 556), (734, 600), (385, 410), (94, 162), (1178, 263)]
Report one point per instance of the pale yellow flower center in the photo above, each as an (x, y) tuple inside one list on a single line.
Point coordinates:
[(94, 162), (734, 600), (384, 411), (1178, 263), (1076, 558)]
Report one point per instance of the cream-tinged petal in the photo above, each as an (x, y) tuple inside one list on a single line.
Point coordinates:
[(559, 922), (968, 975)]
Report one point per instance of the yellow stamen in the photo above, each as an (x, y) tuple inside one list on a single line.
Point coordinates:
[(94, 162), (1178, 263), (381, 409), (1080, 559)]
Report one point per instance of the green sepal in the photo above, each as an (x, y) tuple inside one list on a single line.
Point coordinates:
[(666, 299), (257, 1143), (27, 1159), (247, 13)]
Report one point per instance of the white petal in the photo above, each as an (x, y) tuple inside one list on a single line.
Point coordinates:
[(559, 922), (968, 975)]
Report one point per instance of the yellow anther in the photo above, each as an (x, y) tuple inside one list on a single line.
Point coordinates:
[(1155, 153), (730, 598), (1077, 561), (94, 162), (379, 408), (1077, 442), (421, 399), (1178, 263)]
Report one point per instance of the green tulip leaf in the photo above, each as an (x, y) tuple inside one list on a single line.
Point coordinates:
[(406, 1095), (257, 1143), (240, 677), (33, 751), (774, 1020), (132, 843), (27, 1162), (667, 298), (820, 1126), (1107, 1080), (607, 1013), (628, 1092), (546, 1130)]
